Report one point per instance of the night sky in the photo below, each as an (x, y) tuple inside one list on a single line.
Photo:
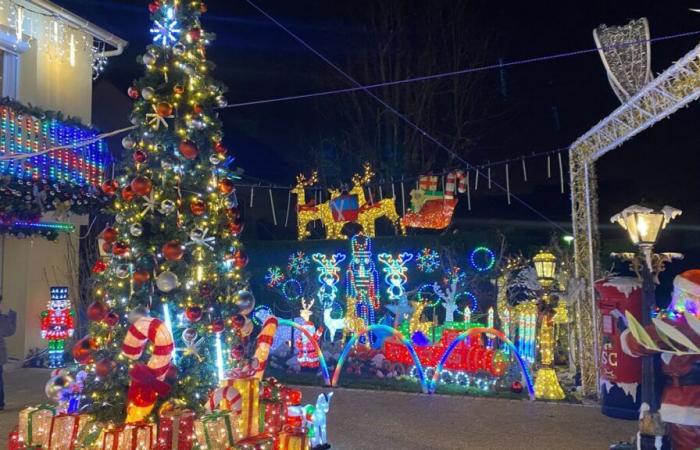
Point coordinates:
[(546, 105)]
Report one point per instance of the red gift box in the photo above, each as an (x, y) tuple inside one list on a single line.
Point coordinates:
[(259, 442), (273, 418), (293, 439), (176, 430), (65, 429), (141, 436)]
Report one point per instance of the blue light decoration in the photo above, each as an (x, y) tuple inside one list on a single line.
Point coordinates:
[(261, 313), (428, 260), (22, 133), (362, 281), (299, 263), (292, 290), (328, 269), (426, 294), (167, 319), (395, 270), (166, 31), (474, 301), (481, 266), (39, 226), (274, 277)]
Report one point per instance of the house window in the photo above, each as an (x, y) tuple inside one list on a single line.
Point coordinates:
[(9, 73)]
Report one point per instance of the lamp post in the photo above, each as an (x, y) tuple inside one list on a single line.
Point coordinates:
[(546, 382), (644, 226)]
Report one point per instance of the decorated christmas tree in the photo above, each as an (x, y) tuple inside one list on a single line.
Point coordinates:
[(170, 307)]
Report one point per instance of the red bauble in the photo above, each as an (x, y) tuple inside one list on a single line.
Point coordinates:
[(141, 186), (179, 89), (96, 311), (133, 92), (99, 266), (203, 8), (198, 207), (516, 387), (139, 156), (238, 351), (110, 235), (236, 228), (128, 194), (171, 374), (153, 7), (292, 396), (120, 248), (109, 187), (193, 313), (220, 148), (103, 367), (106, 247), (205, 290), (141, 276), (82, 350), (111, 319), (226, 186), (164, 109), (240, 259), (217, 326), (189, 150), (172, 250), (234, 214), (198, 109), (195, 34), (238, 321)]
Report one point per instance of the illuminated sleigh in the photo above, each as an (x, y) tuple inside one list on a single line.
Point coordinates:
[(433, 209)]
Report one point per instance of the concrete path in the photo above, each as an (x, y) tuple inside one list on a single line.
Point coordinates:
[(368, 420)]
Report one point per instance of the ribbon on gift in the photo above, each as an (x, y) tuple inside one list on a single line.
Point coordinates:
[(249, 388), (262, 441), (238, 373), (74, 430), (293, 438), (135, 429), (176, 419), (115, 434), (215, 417), (30, 421)]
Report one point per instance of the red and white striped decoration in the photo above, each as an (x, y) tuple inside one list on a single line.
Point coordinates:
[(150, 329), (233, 398), (264, 342), (456, 182)]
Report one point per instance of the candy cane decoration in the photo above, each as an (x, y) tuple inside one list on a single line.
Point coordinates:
[(456, 182), (262, 348), (150, 329), (234, 401)]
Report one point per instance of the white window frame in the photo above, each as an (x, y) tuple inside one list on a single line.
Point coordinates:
[(12, 50)]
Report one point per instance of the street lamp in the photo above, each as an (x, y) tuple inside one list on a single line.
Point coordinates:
[(644, 226), (546, 382)]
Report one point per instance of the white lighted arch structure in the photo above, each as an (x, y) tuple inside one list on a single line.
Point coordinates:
[(673, 89)]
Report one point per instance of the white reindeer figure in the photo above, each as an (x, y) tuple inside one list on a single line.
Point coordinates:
[(333, 325), (317, 426)]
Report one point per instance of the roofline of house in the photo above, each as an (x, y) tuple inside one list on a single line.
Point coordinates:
[(75, 20)]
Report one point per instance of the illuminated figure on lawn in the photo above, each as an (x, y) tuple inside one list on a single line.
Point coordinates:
[(362, 281), (57, 324)]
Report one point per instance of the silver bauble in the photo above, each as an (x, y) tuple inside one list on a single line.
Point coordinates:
[(221, 101), (179, 49), (196, 234), (136, 229), (245, 302), (56, 385), (119, 218), (166, 165), (149, 59), (215, 159), (122, 271), (167, 281), (167, 207), (128, 142), (247, 329), (189, 70), (148, 93)]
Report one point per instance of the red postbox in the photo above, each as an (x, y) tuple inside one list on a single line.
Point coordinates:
[(620, 375)]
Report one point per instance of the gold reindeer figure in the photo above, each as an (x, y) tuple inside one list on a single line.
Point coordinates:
[(306, 211), (370, 212), (416, 322), (353, 324)]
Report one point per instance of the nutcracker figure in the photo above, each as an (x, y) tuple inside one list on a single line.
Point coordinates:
[(362, 282), (676, 336), (57, 324)]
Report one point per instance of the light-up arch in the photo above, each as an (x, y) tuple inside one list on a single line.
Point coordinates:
[(493, 332), (395, 333), (309, 336)]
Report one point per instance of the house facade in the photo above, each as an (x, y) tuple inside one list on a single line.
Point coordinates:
[(48, 58)]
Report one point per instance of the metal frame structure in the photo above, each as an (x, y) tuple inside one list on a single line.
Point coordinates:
[(673, 89)]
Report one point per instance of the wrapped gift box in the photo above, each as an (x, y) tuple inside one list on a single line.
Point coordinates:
[(35, 424), (272, 416), (65, 429), (259, 442), (428, 183), (133, 436), (248, 424), (176, 430), (293, 439), (215, 431)]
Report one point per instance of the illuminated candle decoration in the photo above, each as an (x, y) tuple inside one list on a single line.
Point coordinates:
[(328, 277), (505, 327), (362, 281), (482, 259), (395, 270), (467, 315), (489, 324), (57, 324)]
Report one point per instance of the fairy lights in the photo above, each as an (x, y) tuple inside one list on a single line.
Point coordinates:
[(42, 226), (362, 280), (479, 253), (292, 290), (527, 327), (395, 270), (328, 277)]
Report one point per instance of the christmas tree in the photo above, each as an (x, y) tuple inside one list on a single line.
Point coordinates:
[(170, 302)]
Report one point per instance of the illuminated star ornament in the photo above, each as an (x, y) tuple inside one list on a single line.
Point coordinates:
[(274, 276), (428, 260), (166, 31), (298, 263)]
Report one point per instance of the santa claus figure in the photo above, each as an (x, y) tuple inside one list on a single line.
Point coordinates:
[(676, 336), (306, 349), (57, 324)]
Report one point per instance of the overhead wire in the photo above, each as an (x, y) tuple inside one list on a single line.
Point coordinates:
[(401, 116)]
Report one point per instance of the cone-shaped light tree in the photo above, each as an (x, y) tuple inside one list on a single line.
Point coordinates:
[(170, 300)]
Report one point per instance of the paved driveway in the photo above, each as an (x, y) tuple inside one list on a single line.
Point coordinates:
[(364, 420)]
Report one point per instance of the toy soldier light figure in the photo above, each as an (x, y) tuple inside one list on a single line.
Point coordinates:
[(57, 324)]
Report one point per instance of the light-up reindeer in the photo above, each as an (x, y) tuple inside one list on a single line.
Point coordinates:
[(395, 270), (306, 211), (328, 278)]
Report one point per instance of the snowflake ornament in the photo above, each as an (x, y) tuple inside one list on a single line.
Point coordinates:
[(428, 260), (299, 263), (167, 30), (274, 276)]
